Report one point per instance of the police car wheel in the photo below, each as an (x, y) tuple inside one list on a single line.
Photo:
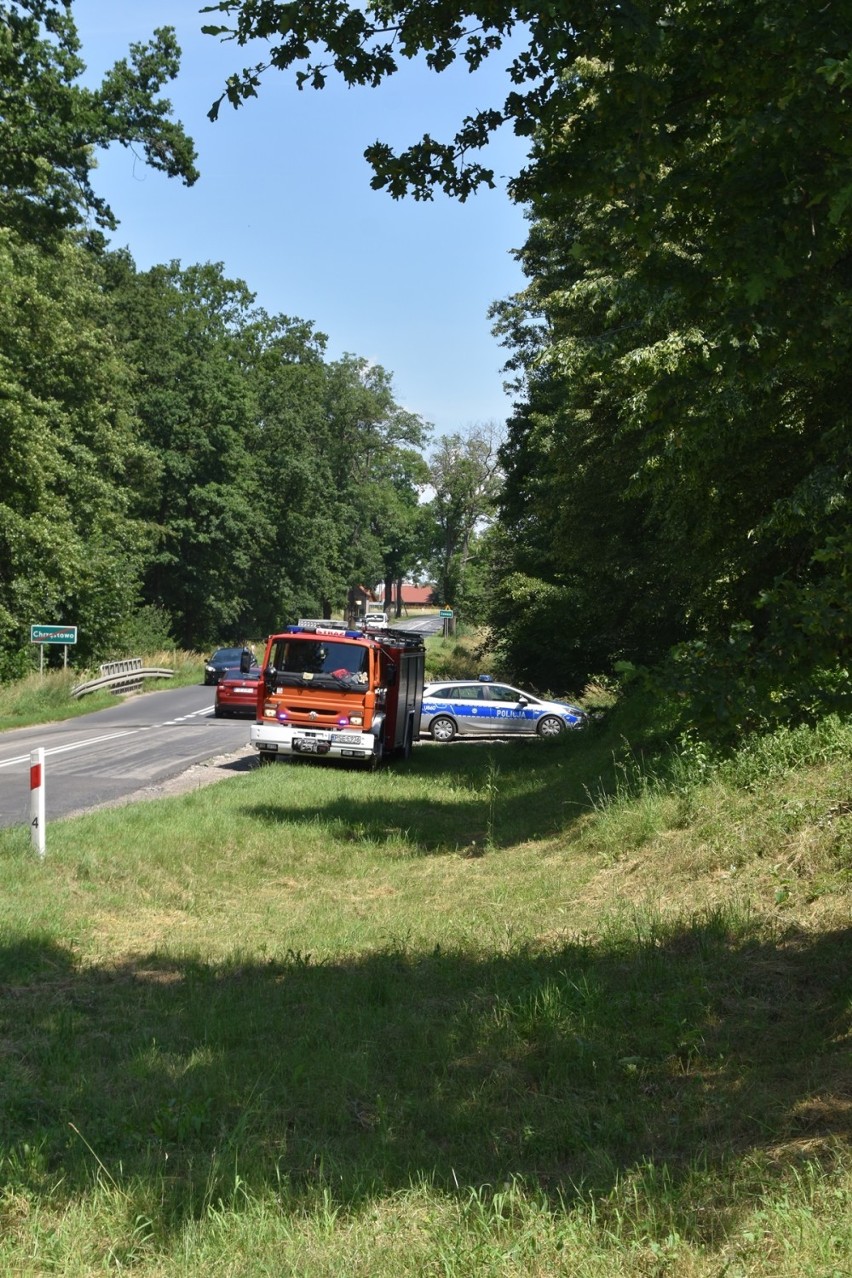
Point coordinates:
[(442, 729), (550, 726)]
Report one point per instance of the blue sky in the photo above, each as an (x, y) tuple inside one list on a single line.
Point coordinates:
[(284, 202)]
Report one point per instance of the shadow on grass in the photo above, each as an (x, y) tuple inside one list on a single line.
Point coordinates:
[(569, 1070), (495, 791)]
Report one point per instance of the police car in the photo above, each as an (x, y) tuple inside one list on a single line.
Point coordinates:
[(482, 708)]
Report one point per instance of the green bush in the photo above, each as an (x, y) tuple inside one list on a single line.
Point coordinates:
[(459, 657), (147, 630)]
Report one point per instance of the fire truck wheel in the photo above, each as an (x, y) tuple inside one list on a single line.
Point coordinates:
[(265, 757), (442, 729), (550, 726)]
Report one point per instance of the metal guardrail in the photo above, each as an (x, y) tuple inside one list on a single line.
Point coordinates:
[(122, 676)]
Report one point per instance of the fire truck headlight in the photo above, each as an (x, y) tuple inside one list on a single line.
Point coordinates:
[(356, 720)]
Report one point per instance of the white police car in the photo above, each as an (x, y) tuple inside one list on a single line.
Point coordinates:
[(482, 708)]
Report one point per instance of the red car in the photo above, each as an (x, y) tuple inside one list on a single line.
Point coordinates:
[(237, 693)]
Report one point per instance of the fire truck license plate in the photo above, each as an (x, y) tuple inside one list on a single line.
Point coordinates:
[(346, 738), (310, 745)]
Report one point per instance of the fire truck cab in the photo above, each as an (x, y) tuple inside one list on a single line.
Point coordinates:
[(329, 692)]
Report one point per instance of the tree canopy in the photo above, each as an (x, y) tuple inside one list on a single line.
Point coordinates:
[(177, 464), (465, 478), (678, 463), (364, 45), (71, 541), (51, 124), (683, 353)]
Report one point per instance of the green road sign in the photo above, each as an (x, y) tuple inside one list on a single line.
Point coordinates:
[(53, 634), (445, 612)]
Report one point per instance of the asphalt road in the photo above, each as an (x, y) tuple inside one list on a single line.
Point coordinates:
[(100, 757), (422, 625)]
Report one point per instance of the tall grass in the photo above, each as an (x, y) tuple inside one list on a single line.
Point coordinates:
[(45, 698), (456, 657), (763, 759)]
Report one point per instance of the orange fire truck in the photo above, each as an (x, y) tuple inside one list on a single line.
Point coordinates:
[(326, 691)]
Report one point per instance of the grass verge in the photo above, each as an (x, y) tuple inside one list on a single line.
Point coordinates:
[(47, 698), (521, 1009)]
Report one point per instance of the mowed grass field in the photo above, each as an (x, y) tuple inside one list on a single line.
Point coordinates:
[(524, 1009)]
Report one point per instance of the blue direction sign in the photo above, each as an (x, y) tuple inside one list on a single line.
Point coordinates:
[(53, 634)]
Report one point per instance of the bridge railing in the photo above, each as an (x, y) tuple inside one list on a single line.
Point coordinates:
[(122, 676)]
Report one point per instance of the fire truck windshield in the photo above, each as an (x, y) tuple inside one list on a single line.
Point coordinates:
[(307, 660)]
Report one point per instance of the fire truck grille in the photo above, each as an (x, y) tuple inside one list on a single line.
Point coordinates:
[(318, 716)]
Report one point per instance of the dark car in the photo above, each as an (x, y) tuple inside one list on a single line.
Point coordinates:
[(236, 693), (223, 660)]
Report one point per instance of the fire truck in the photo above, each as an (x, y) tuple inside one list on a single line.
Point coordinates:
[(329, 692)]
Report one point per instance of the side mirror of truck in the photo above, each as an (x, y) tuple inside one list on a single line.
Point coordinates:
[(246, 661), (391, 676)]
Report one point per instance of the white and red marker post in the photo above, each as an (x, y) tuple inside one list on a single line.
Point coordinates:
[(37, 821)]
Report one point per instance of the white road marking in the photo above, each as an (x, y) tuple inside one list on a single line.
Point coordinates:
[(109, 736)]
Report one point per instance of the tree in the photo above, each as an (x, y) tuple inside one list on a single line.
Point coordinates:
[(71, 549), (465, 475), (683, 354), (71, 545), (184, 335), (295, 557), (365, 46), (283, 477), (397, 518), (50, 125), (368, 442)]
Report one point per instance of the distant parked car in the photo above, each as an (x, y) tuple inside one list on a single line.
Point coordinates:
[(480, 708), (223, 659), (376, 621), (236, 693)]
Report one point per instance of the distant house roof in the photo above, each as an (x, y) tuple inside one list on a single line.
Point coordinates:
[(417, 594), (412, 596)]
